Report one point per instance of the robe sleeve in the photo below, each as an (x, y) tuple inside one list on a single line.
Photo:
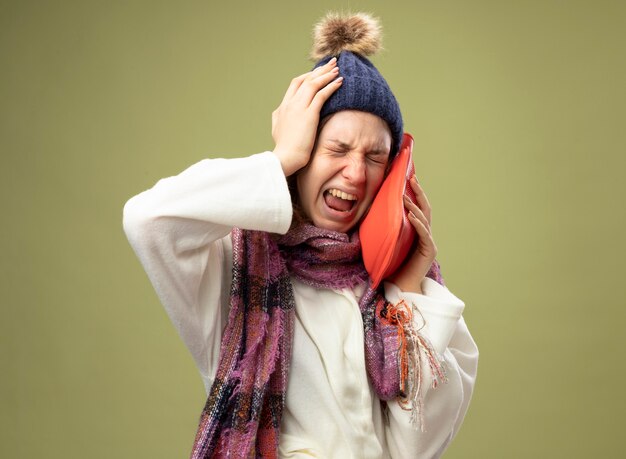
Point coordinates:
[(180, 229), (439, 313)]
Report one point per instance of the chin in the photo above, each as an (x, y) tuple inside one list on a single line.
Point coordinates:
[(341, 227), (325, 219)]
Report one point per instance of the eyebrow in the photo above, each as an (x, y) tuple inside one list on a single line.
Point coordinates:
[(346, 146)]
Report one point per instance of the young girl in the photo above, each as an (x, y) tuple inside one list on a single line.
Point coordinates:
[(257, 261)]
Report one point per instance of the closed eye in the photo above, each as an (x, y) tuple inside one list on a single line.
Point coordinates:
[(337, 151), (377, 159)]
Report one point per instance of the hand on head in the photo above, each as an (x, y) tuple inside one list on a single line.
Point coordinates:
[(295, 121)]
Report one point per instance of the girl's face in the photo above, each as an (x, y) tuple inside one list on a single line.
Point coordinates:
[(346, 169)]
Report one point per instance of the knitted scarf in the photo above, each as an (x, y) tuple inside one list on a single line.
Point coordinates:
[(242, 415)]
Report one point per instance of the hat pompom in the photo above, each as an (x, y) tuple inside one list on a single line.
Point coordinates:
[(359, 33)]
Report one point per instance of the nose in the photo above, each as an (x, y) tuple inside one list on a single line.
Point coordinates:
[(354, 170)]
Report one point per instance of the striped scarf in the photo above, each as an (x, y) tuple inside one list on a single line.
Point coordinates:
[(242, 415)]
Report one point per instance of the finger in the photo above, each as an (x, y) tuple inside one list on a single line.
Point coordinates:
[(323, 94), (422, 199), (417, 212), (426, 241), (295, 85), (327, 67), (330, 66), (309, 89), (297, 81), (274, 118)]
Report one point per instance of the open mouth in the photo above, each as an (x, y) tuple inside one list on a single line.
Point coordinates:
[(339, 200)]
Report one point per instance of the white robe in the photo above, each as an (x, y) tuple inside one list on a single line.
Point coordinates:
[(180, 232)]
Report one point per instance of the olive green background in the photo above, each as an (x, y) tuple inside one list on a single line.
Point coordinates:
[(518, 110)]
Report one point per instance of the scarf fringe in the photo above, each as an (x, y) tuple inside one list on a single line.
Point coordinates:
[(414, 348)]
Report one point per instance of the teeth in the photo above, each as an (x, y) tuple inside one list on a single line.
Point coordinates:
[(341, 194)]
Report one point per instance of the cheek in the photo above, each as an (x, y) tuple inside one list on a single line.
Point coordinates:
[(306, 187), (376, 180), (317, 173)]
